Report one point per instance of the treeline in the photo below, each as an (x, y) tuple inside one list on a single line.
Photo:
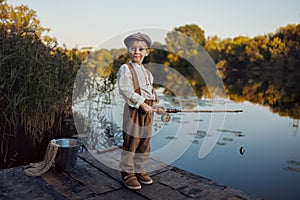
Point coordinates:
[(263, 69), (274, 50)]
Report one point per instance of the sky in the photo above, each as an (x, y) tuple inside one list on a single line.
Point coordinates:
[(78, 23)]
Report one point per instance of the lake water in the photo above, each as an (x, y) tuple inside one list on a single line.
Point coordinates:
[(256, 151)]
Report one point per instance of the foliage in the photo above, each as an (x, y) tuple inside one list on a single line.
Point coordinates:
[(36, 78), (20, 18), (277, 49), (36, 82), (267, 66), (182, 56), (193, 31)]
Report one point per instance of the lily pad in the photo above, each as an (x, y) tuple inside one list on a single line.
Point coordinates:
[(171, 137), (294, 169), (221, 143), (228, 139), (195, 141), (293, 162), (229, 131), (200, 135)]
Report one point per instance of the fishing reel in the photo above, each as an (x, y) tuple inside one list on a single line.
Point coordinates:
[(166, 117)]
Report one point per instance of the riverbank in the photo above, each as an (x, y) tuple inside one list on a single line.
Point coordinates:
[(91, 179)]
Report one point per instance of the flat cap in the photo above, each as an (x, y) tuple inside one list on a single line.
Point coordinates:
[(138, 36)]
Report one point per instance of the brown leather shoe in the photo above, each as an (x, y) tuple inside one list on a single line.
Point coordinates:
[(144, 178), (131, 182)]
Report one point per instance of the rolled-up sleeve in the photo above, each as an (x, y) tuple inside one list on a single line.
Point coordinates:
[(126, 88)]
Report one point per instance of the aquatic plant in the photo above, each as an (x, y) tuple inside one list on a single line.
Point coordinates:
[(36, 85)]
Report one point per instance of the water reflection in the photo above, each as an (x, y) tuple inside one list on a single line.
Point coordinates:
[(276, 89)]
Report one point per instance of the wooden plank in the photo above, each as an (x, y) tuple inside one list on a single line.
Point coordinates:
[(91, 179), (199, 187), (169, 182), (188, 186), (226, 191), (160, 191), (65, 185), (113, 173), (110, 159), (122, 194), (14, 184), (81, 182)]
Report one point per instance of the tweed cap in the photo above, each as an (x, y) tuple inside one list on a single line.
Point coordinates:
[(138, 36)]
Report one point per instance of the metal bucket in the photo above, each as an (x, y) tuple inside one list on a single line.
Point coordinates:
[(67, 153)]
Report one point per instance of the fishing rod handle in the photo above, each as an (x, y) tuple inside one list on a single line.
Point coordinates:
[(172, 110)]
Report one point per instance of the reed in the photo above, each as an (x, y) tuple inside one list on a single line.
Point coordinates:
[(36, 82)]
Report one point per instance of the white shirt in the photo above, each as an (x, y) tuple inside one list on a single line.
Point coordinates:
[(126, 87)]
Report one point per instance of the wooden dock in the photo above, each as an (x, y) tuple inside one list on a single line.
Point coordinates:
[(91, 179)]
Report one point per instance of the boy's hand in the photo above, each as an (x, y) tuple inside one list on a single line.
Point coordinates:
[(146, 107), (159, 110)]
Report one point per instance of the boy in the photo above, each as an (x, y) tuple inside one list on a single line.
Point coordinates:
[(135, 84)]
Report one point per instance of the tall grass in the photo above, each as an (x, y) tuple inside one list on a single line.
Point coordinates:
[(36, 82)]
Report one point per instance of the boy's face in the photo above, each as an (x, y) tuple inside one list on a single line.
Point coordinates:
[(138, 50)]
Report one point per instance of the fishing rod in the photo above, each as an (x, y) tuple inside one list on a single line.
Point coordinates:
[(166, 116), (201, 111)]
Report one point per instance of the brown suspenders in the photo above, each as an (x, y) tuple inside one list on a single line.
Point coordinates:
[(136, 83), (134, 79)]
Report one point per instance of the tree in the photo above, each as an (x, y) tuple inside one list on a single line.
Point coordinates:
[(212, 46), (276, 48), (20, 18), (193, 31)]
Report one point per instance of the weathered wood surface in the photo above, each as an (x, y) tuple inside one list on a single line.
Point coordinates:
[(91, 179), (14, 184)]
